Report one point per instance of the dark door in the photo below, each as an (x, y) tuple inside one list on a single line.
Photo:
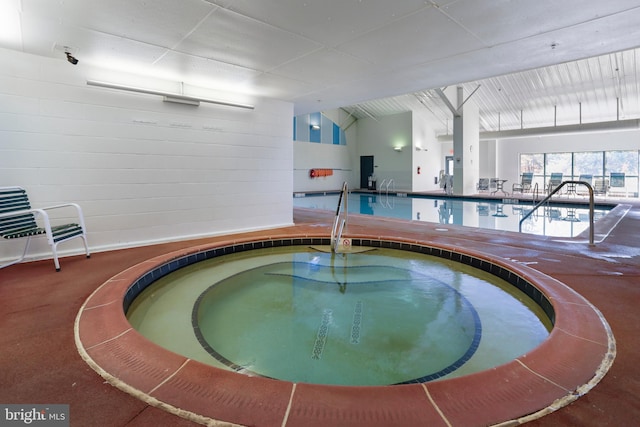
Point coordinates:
[(366, 170)]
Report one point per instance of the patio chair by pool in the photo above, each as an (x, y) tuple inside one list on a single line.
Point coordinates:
[(617, 183), (19, 220), (483, 184), (581, 189), (586, 178), (554, 181), (524, 186), (601, 186)]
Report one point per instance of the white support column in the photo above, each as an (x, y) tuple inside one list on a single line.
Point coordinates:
[(466, 143), (471, 146)]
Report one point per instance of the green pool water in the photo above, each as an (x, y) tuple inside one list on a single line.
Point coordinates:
[(376, 317)]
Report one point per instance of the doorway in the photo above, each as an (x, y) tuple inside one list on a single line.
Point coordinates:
[(366, 170), (448, 165)]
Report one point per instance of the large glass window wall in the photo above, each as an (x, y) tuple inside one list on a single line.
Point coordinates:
[(609, 172)]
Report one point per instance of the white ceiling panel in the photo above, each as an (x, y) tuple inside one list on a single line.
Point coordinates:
[(418, 38), (514, 17), (159, 23), (237, 39), (280, 87), (320, 67), (330, 22), (535, 61), (214, 74)]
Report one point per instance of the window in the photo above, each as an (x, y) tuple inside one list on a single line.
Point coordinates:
[(599, 164), (558, 163), (532, 163), (588, 163), (621, 161)]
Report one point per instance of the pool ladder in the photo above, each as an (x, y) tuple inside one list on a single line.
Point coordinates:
[(387, 183), (339, 222)]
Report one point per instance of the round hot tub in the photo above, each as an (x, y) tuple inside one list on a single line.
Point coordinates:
[(556, 370), (368, 316)]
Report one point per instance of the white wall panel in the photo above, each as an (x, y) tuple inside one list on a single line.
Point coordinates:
[(378, 138), (143, 170), (428, 158)]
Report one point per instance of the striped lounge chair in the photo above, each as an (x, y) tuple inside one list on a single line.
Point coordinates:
[(18, 220)]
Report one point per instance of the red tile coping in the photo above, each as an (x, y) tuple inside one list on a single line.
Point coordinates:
[(572, 360)]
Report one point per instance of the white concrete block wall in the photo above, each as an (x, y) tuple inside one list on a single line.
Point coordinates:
[(311, 155), (429, 157), (143, 170), (378, 138), (340, 158)]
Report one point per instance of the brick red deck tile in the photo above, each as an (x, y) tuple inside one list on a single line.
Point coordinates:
[(493, 396), (133, 360), (109, 292), (152, 416), (556, 359), (584, 322), (227, 396), (102, 323), (137, 270), (393, 406)]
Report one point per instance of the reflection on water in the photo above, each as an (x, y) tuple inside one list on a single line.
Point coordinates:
[(554, 220)]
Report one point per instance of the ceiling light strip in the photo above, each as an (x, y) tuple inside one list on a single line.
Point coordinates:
[(170, 97)]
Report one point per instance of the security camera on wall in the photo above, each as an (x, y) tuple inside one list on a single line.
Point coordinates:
[(68, 50), (72, 59)]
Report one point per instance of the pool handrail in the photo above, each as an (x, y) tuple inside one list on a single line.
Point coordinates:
[(391, 184), (535, 193), (382, 184), (336, 232), (554, 191), (388, 183)]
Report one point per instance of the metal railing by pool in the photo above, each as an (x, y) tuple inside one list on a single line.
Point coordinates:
[(556, 190), (342, 212)]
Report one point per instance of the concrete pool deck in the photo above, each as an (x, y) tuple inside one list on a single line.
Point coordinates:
[(41, 364)]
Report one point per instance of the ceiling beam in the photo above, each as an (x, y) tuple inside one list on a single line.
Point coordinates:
[(448, 103), (615, 125)]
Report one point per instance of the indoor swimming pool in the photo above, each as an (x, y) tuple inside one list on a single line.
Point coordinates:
[(557, 220)]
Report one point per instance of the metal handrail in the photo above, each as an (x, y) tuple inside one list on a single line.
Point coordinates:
[(388, 182), (535, 193), (554, 191), (336, 233), (391, 182), (384, 181)]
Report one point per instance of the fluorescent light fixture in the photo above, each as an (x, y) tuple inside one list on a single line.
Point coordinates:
[(397, 148), (169, 97), (10, 27), (176, 100), (315, 127)]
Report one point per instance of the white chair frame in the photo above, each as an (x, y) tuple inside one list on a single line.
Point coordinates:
[(53, 238)]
